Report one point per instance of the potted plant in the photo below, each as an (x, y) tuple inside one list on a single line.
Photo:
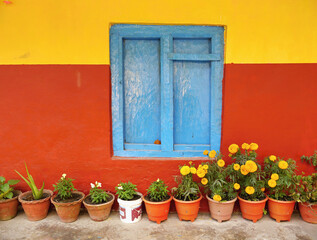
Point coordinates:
[(36, 202), (187, 195), (311, 160), (8, 199), (68, 200), (281, 187), (130, 202), (306, 196), (157, 201), (252, 199), (221, 187), (98, 202)]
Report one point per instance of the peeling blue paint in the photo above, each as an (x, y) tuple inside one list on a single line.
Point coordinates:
[(166, 85)]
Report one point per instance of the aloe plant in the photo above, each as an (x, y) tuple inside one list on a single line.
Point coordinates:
[(37, 193)]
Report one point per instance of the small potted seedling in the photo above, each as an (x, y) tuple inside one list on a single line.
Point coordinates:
[(8, 199), (157, 201), (36, 202), (68, 200), (99, 202), (130, 202)]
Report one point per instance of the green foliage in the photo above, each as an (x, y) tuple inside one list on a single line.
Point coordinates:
[(97, 194), (64, 187), (286, 182), (306, 190), (157, 191), (6, 189), (242, 156), (37, 193), (311, 160), (126, 191)]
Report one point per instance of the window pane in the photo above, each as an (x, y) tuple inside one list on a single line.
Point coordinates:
[(198, 46), (142, 90)]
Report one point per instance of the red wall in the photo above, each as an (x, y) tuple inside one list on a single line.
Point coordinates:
[(57, 118)]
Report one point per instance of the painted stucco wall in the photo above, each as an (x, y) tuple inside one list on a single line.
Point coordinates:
[(55, 84)]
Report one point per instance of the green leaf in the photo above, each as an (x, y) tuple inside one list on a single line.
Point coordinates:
[(2, 179), (5, 187), (9, 195), (13, 182)]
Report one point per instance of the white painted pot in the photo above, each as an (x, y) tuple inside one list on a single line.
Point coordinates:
[(130, 211)]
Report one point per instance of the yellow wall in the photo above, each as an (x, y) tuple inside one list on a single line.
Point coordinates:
[(77, 31)]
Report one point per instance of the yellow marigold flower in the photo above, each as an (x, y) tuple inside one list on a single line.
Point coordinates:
[(217, 198), (275, 176), (245, 146), (263, 189), (272, 158), (230, 155), (272, 183), (249, 190), (205, 171), (236, 186), (206, 152), (185, 170), (221, 163), (233, 148), (251, 166), (244, 170), (190, 162), (193, 170), (204, 181), (254, 146), (205, 167), (236, 166), (212, 153), (200, 166), (283, 164), (201, 172)]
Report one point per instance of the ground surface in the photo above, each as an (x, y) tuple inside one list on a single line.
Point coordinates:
[(203, 228)]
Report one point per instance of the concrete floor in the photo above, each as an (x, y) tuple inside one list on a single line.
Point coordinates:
[(203, 228)]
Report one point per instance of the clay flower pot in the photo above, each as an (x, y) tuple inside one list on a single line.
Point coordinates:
[(130, 211), (35, 210), (187, 210), (221, 211), (68, 211), (281, 210), (252, 210), (157, 211), (99, 212), (308, 212), (9, 207)]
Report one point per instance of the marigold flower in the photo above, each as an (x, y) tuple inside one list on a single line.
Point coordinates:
[(233, 148), (263, 189), (282, 164), (236, 167), (193, 170), (206, 152), (217, 198), (272, 183), (243, 170), (190, 162), (275, 176), (245, 146), (185, 170), (205, 167), (272, 158), (212, 153), (249, 190), (230, 155), (254, 146), (204, 181), (201, 173), (236, 186), (251, 166), (221, 163)]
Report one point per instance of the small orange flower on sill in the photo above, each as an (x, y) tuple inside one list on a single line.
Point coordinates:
[(157, 141)]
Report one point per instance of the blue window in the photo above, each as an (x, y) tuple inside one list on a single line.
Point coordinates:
[(166, 85)]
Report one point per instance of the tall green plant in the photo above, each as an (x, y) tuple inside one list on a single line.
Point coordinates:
[(37, 193)]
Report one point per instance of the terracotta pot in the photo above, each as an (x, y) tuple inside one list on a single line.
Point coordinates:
[(252, 210), (99, 212), (281, 210), (157, 211), (308, 212), (130, 211), (35, 210), (68, 212), (9, 207), (187, 210), (221, 211)]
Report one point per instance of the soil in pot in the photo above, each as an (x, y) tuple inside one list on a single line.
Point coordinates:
[(36, 210), (9, 207), (281, 210), (157, 211), (187, 210), (99, 211), (252, 210)]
